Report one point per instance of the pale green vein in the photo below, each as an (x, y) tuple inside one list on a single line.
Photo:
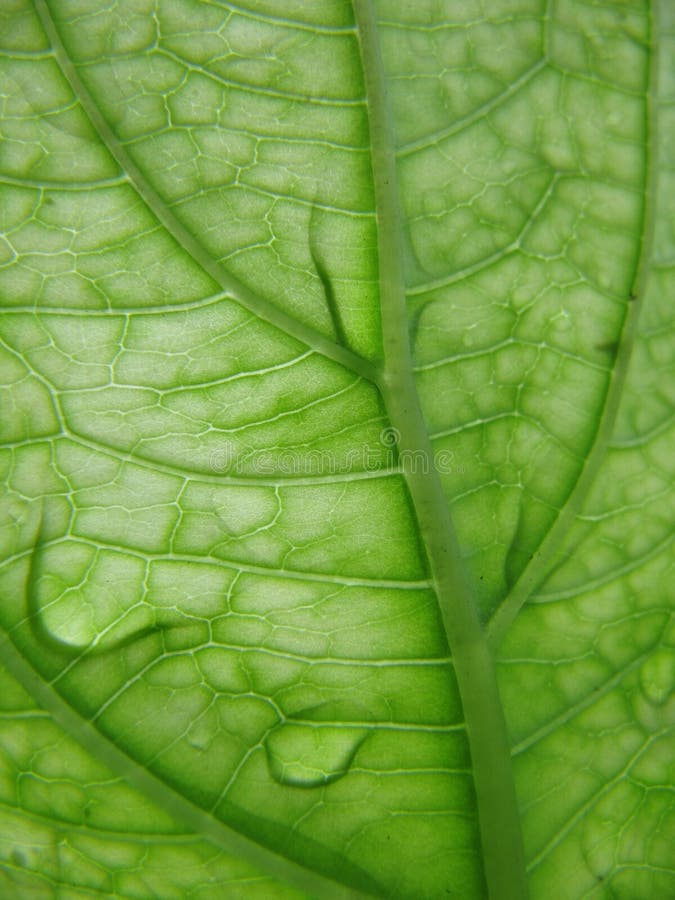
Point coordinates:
[(493, 778), (285, 22), (248, 88), (182, 235), (121, 312), (513, 341), (221, 474), (593, 802), (259, 423), (481, 112), (465, 25), (65, 186), (272, 138), (646, 437), (365, 662), (597, 693), (297, 200), (606, 578), (424, 727), (136, 837), (514, 246), (594, 80), (236, 565), (239, 375), (549, 549)]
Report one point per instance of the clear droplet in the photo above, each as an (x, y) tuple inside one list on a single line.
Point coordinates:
[(311, 755), (657, 676), (202, 734)]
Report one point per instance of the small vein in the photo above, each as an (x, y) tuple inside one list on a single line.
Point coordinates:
[(284, 22), (256, 89), (562, 832), (479, 113), (592, 585), (236, 565), (569, 714)]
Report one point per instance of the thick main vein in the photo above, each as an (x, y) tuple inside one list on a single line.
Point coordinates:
[(474, 666), (182, 235)]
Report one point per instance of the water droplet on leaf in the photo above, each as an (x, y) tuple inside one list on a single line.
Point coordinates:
[(657, 676), (311, 755)]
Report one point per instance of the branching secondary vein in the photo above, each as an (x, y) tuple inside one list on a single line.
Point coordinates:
[(546, 557), (182, 235)]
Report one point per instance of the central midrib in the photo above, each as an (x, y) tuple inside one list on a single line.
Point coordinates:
[(472, 659), (499, 821)]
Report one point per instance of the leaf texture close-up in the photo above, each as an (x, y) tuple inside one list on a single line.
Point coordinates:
[(337, 421)]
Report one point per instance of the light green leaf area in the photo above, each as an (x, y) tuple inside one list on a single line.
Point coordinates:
[(336, 404)]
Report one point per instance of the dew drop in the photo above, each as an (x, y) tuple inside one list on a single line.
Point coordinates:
[(470, 338), (202, 734), (312, 755), (657, 676)]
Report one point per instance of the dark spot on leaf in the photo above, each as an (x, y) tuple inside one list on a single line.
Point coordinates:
[(610, 347), (19, 858), (329, 294)]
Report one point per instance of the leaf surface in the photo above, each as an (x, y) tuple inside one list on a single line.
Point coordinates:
[(337, 412)]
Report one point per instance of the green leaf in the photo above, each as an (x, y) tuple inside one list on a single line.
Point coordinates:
[(337, 399)]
